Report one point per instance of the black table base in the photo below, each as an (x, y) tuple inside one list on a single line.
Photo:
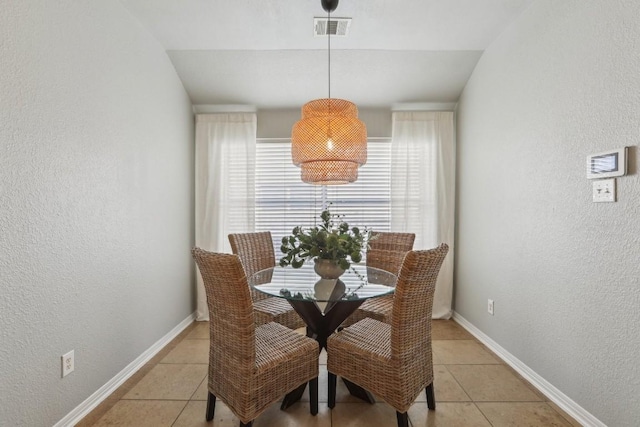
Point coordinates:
[(320, 327)]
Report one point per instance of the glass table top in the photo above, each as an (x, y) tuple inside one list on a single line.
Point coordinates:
[(357, 283)]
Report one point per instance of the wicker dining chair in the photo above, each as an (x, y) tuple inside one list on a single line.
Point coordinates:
[(250, 366), (256, 253), (394, 362), (386, 252), (391, 241)]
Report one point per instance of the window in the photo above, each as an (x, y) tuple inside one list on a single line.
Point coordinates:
[(283, 201)]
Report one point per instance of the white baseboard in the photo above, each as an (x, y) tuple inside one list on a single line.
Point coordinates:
[(556, 396), (103, 392)]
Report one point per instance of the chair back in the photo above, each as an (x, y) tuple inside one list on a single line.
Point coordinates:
[(232, 328), (387, 250), (388, 241), (413, 305), (254, 249)]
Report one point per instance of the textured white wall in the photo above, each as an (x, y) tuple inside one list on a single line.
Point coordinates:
[(96, 178), (559, 84)]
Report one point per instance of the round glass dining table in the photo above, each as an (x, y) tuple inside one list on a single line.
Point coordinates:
[(324, 304)]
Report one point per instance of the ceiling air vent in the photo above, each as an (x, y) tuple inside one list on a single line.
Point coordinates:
[(335, 27)]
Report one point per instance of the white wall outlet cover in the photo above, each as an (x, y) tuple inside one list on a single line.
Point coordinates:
[(68, 363), (604, 190)]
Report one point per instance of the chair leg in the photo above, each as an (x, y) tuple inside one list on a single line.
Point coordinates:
[(431, 399), (403, 419), (313, 396), (211, 406), (332, 390)]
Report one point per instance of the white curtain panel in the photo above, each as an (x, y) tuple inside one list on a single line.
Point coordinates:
[(423, 189), (225, 190)]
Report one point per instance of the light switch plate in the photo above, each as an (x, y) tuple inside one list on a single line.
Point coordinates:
[(604, 190)]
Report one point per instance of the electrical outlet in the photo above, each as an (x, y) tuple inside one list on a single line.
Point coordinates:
[(68, 363), (490, 307)]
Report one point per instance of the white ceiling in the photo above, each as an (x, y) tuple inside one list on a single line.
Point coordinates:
[(264, 53)]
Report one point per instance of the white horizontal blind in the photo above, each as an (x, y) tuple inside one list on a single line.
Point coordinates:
[(283, 201)]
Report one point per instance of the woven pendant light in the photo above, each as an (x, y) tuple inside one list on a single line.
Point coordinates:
[(329, 143)]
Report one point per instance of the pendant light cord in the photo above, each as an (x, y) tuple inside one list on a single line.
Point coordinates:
[(329, 49), (329, 68)]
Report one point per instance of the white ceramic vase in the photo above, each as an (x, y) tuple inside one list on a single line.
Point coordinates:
[(327, 269)]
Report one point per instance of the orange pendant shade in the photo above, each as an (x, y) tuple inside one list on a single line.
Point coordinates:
[(329, 143)]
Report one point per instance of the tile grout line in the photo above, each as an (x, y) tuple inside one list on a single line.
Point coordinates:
[(179, 414), (483, 414), (458, 382)]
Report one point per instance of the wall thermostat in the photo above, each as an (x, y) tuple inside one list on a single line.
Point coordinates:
[(607, 164)]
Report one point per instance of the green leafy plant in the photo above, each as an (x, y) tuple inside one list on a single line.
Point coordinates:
[(339, 243)]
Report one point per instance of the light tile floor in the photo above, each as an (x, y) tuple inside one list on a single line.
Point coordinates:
[(473, 387)]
